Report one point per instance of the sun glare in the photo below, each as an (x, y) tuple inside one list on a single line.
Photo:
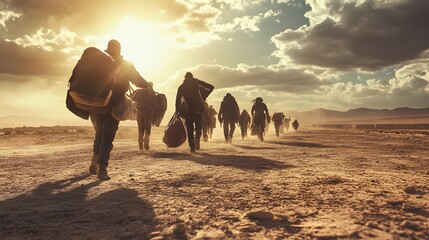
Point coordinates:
[(142, 44)]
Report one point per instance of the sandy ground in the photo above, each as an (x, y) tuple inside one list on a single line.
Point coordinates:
[(310, 184)]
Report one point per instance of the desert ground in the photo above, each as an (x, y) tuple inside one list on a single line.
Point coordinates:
[(306, 184)]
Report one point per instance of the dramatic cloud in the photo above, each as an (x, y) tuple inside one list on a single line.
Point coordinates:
[(368, 35), (17, 60), (409, 87), (68, 26), (203, 23), (260, 77), (412, 78)]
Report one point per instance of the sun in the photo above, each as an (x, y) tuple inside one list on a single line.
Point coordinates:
[(142, 44)]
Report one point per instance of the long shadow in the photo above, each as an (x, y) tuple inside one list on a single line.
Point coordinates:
[(253, 148), (278, 223), (58, 210), (419, 211), (254, 163), (302, 144)]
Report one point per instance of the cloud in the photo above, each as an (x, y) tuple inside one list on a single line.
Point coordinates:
[(268, 78), (190, 24), (366, 35), (8, 16), (46, 39), (409, 87), (412, 78), (203, 23), (17, 60), (271, 13), (41, 36)]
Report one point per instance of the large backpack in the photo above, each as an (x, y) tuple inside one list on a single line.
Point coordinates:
[(277, 117), (92, 81)]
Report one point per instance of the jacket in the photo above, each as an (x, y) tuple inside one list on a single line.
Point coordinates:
[(244, 119), (229, 109), (194, 92), (260, 111)]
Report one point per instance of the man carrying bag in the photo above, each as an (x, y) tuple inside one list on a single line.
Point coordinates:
[(193, 92), (98, 83)]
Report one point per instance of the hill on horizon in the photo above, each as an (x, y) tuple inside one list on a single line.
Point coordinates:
[(362, 115), (315, 116)]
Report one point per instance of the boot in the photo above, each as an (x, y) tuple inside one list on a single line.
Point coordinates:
[(102, 173), (94, 164)]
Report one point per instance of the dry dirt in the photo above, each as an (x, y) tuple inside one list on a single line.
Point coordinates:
[(310, 184)]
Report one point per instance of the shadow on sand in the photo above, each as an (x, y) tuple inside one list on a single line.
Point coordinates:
[(253, 148), (61, 210), (301, 144), (279, 223), (254, 163)]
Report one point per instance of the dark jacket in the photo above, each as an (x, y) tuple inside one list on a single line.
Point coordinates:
[(260, 111), (194, 92), (244, 119), (229, 109)]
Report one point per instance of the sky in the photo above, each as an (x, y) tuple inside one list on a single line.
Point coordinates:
[(297, 55)]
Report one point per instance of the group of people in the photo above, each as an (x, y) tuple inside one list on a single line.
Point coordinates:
[(200, 118), (229, 115), (258, 119)]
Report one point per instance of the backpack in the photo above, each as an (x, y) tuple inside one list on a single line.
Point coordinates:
[(92, 81), (277, 117), (160, 109)]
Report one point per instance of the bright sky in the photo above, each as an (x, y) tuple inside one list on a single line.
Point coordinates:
[(295, 54)]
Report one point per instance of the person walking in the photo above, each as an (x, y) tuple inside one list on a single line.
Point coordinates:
[(104, 124), (229, 114), (193, 92), (212, 114), (278, 119), (260, 115), (244, 123)]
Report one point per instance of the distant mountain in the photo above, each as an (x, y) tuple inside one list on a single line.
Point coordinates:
[(36, 121), (359, 115)]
